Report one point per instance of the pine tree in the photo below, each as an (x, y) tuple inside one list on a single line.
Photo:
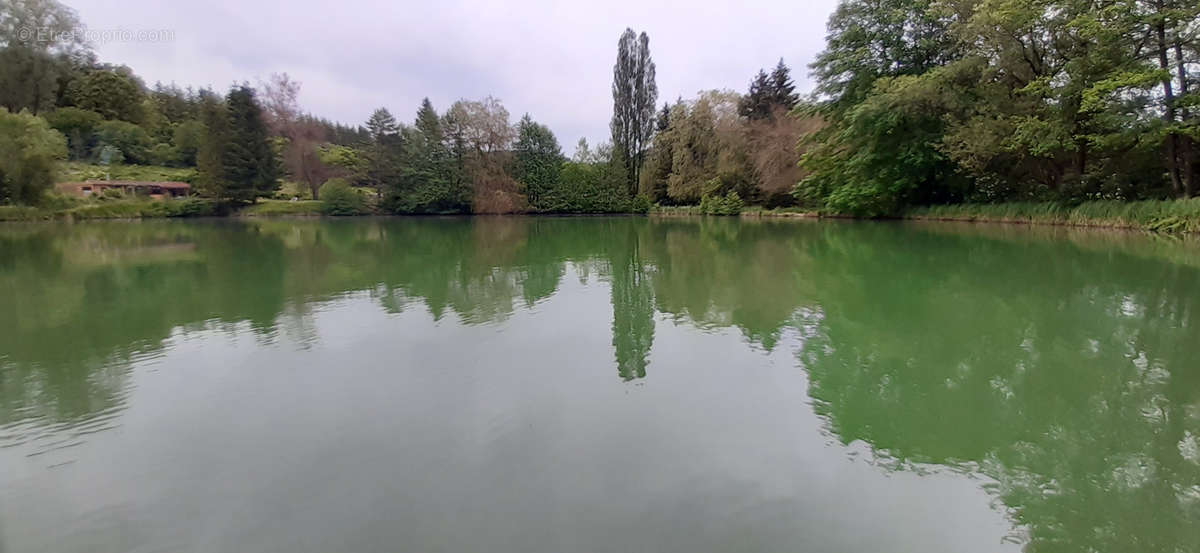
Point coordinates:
[(664, 119), (427, 177), (783, 90), (382, 126), (756, 104), (250, 165), (210, 157), (429, 123), (383, 152)]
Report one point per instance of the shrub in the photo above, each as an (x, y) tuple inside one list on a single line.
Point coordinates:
[(640, 204), (112, 194), (29, 149), (79, 126), (338, 198), (131, 139), (729, 204)]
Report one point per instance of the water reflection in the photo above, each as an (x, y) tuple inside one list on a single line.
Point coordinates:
[(1060, 365)]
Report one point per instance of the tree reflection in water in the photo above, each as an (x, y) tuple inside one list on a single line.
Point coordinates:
[(1061, 365)]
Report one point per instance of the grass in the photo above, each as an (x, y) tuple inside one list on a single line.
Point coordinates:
[(1153, 215), (24, 213), (748, 211), (268, 208), (76, 171), (141, 209)]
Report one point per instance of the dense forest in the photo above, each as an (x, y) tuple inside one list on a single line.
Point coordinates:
[(947, 101), (917, 103)]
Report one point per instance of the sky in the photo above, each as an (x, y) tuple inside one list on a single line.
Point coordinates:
[(550, 59)]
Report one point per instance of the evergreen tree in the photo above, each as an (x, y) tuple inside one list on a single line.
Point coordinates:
[(382, 164), (539, 160), (783, 90), (756, 104), (664, 119), (382, 127), (251, 168), (427, 179), (429, 123), (769, 94), (210, 157)]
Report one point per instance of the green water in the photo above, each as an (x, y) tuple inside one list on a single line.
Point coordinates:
[(596, 385)]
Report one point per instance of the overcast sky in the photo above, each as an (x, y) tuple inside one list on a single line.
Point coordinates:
[(551, 59)]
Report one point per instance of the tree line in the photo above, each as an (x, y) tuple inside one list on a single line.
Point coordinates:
[(917, 102)]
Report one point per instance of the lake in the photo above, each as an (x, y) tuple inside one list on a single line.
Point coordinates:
[(596, 385)]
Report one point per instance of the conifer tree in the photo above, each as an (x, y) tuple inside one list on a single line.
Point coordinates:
[(756, 103), (251, 168), (783, 90), (210, 157)]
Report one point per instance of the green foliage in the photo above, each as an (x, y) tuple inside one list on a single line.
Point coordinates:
[(249, 165), (129, 139), (339, 198), (79, 171), (729, 204), (1154, 215), (78, 126), (29, 150), (884, 153), (417, 169), (635, 96), (210, 156), (872, 39), (187, 140), (769, 95), (113, 93), (590, 187), (1056, 100), (125, 208), (539, 161), (274, 208)]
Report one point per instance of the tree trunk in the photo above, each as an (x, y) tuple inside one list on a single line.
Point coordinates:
[(1189, 145), (1169, 114)]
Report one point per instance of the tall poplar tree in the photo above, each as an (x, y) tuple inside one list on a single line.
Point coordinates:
[(635, 95)]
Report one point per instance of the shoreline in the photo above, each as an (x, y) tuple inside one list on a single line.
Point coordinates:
[(1164, 217)]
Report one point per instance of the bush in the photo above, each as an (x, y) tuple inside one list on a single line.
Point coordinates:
[(729, 204), (641, 204), (29, 150), (338, 198), (163, 154), (79, 126), (271, 208), (112, 194), (587, 188), (137, 209), (130, 139)]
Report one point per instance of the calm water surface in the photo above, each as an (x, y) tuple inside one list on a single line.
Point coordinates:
[(596, 385)]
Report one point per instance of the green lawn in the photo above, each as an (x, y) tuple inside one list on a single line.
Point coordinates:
[(76, 171)]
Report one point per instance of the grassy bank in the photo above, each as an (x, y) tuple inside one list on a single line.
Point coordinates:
[(115, 209), (271, 208), (1152, 215), (142, 208), (76, 171)]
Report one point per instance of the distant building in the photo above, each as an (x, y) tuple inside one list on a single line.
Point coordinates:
[(151, 189)]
